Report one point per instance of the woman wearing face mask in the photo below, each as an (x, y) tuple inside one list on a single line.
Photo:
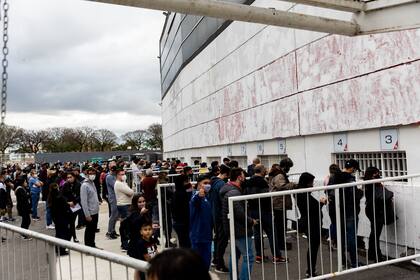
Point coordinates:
[(377, 197), (124, 194), (71, 192), (201, 220)]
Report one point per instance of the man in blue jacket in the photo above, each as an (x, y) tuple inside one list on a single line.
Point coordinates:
[(201, 220)]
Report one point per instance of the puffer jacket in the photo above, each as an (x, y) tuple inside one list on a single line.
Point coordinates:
[(241, 230), (280, 182)]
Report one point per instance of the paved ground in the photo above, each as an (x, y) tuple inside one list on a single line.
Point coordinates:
[(28, 260)]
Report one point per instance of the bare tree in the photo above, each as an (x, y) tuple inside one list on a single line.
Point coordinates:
[(105, 139), (135, 139), (155, 140), (84, 137), (9, 137), (31, 141)]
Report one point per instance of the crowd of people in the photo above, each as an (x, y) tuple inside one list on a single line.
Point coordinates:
[(196, 211)]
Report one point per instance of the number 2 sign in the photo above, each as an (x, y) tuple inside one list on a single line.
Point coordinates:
[(389, 139)]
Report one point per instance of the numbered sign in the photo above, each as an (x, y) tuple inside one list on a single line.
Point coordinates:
[(389, 139), (340, 143), (229, 151), (282, 146), (243, 150), (260, 148)]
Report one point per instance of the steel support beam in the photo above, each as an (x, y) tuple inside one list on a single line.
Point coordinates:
[(340, 5), (239, 12), (386, 15)]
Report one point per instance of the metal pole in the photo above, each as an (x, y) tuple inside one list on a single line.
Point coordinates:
[(232, 240), (338, 230), (246, 13), (161, 235), (51, 257)]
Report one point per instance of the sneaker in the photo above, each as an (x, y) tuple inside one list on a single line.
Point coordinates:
[(258, 259), (222, 269), (79, 227), (3, 239), (110, 236), (123, 250), (114, 233), (280, 260), (11, 219), (308, 275), (35, 219), (213, 264), (50, 227), (97, 230), (76, 240), (26, 238)]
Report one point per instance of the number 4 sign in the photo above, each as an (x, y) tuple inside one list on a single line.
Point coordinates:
[(389, 139), (340, 143)]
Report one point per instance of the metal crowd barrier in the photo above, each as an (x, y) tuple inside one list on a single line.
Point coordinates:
[(39, 258), (398, 241)]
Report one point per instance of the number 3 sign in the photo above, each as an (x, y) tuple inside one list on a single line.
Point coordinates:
[(389, 139)]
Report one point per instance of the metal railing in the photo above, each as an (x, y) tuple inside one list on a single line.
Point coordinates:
[(41, 258), (398, 239)]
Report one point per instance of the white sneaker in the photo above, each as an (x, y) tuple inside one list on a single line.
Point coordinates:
[(50, 227)]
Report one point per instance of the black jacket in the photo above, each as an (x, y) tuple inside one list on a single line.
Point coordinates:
[(377, 200), (256, 185), (23, 201), (349, 197), (181, 201), (310, 213), (71, 192), (229, 190)]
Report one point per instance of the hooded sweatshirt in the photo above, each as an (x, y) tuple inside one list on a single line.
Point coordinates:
[(214, 197)]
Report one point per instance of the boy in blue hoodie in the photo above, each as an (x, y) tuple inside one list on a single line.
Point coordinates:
[(201, 220)]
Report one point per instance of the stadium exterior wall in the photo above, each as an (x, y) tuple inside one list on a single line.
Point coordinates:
[(255, 84)]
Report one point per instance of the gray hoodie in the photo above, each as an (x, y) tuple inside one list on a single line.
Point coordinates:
[(89, 198)]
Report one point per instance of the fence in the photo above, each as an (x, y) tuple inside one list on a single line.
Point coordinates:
[(39, 258), (398, 240)]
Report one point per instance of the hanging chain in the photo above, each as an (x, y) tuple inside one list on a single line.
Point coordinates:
[(5, 62)]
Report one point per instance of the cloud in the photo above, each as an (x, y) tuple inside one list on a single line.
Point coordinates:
[(88, 59)]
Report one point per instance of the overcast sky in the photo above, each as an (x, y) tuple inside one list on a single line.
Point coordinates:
[(77, 63)]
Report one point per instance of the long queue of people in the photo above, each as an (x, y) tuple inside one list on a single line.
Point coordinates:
[(197, 213)]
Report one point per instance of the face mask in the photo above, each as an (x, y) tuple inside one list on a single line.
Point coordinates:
[(92, 177), (124, 177), (207, 188)]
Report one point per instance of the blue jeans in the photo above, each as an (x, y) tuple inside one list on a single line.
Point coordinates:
[(204, 250), (123, 211), (241, 245), (35, 200), (348, 233), (48, 216)]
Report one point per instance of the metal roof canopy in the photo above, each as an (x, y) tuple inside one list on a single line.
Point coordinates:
[(369, 16)]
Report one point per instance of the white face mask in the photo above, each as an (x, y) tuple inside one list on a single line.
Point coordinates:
[(207, 188), (124, 177), (92, 177)]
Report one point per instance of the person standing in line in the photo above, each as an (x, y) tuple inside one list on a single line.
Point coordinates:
[(60, 214), (310, 221), (349, 210), (181, 210), (201, 220), (279, 181), (243, 223), (251, 167), (377, 197), (123, 194), (3, 195), (23, 203), (52, 178), (148, 186), (261, 210), (112, 200), (221, 237), (71, 192), (90, 205), (35, 186)]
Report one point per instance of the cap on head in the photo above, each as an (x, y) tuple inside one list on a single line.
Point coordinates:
[(352, 163)]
